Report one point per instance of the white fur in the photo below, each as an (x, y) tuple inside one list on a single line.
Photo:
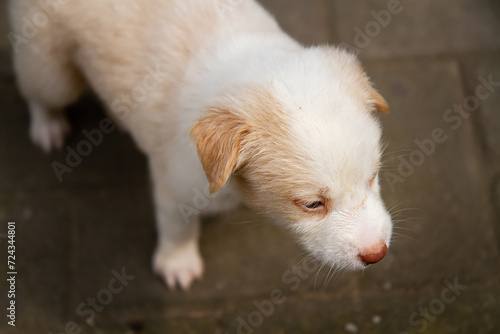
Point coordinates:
[(200, 51)]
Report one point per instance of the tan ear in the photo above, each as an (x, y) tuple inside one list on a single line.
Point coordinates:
[(379, 102), (218, 136)]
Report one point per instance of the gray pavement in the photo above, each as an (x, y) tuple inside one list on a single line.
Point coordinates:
[(441, 177)]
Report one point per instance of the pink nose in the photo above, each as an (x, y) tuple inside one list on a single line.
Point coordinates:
[(373, 254)]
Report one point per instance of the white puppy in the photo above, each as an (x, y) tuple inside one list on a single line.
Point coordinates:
[(212, 90)]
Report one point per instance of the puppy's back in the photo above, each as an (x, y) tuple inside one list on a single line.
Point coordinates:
[(114, 45)]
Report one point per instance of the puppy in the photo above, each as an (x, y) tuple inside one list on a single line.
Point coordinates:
[(210, 91)]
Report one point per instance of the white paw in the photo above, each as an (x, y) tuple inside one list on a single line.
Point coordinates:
[(49, 132), (180, 266)]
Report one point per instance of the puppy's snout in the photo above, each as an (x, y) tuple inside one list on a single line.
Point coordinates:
[(373, 254)]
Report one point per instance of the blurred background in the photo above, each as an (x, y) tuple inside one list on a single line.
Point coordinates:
[(84, 245)]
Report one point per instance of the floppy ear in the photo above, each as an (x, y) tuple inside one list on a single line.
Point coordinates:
[(218, 136), (379, 103)]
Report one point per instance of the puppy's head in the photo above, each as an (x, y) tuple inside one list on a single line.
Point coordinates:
[(303, 143)]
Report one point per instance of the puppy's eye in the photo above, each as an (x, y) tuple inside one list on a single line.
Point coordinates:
[(372, 180), (314, 205)]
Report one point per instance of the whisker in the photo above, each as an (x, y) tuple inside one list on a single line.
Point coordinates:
[(400, 148), (400, 228), (303, 260), (327, 276), (395, 205), (407, 219), (395, 237), (319, 270), (399, 212), (335, 275)]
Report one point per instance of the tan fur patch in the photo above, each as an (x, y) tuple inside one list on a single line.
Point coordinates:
[(379, 102), (238, 120), (218, 136)]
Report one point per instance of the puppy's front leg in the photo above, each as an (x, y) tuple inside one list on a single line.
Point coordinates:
[(177, 259)]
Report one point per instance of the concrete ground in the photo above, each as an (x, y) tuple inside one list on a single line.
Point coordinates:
[(442, 179)]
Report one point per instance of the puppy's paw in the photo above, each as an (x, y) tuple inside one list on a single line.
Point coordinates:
[(49, 133), (180, 266)]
